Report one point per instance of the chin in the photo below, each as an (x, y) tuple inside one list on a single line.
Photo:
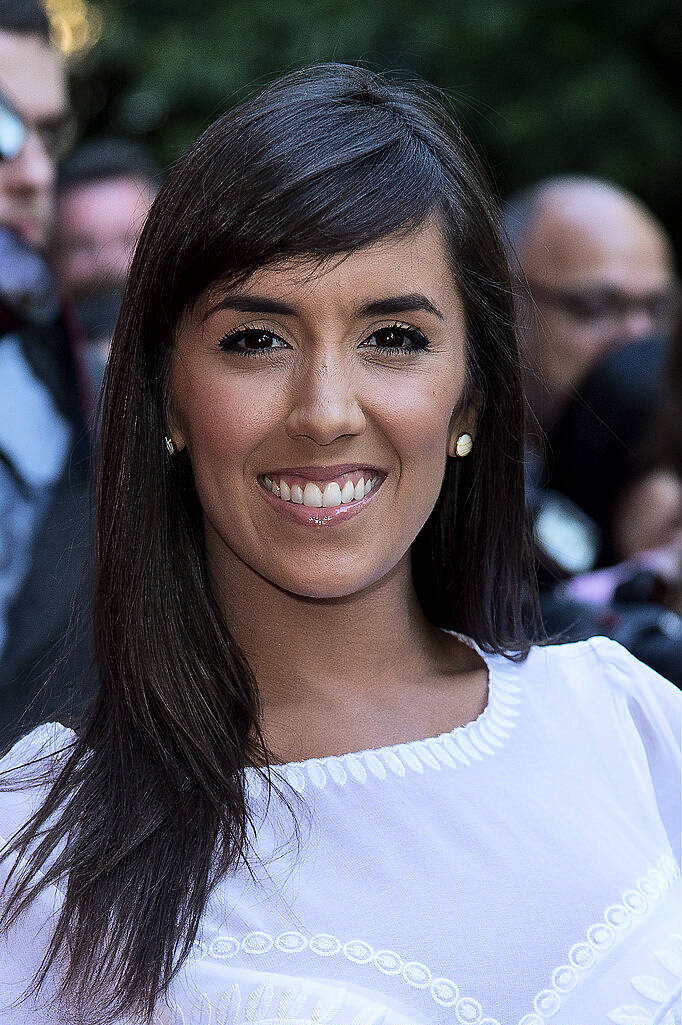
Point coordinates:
[(326, 584)]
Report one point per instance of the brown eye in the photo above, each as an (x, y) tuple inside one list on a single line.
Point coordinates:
[(252, 342), (396, 339)]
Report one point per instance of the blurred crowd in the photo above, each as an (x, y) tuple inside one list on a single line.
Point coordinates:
[(598, 305), (599, 313)]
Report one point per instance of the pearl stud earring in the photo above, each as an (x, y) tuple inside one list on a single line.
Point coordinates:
[(465, 443), (170, 446)]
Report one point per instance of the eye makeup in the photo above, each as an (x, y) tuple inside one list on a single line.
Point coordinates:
[(252, 341), (392, 340)]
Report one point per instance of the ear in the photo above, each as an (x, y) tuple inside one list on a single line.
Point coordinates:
[(464, 422), (177, 438), (173, 428)]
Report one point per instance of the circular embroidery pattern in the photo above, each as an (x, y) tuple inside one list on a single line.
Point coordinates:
[(564, 978), (445, 992), (325, 945), (224, 947), (416, 974), (601, 936), (257, 943), (358, 951), (388, 962), (291, 942), (468, 1011), (547, 1002), (635, 902), (581, 956), (618, 916)]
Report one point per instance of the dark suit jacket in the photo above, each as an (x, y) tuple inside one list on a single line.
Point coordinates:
[(44, 657)]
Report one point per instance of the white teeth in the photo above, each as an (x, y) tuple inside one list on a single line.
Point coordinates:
[(329, 495), (332, 495), (347, 492), (312, 496)]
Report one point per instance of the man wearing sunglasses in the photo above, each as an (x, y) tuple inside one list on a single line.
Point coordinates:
[(33, 89), (44, 446)]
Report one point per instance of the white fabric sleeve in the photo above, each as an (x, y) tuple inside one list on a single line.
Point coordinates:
[(654, 705), (23, 947)]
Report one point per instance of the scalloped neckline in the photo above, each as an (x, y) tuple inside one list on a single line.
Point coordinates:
[(466, 742)]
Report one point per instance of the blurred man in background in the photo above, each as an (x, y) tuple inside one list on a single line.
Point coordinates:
[(104, 191), (33, 79), (44, 444), (596, 271), (598, 298)]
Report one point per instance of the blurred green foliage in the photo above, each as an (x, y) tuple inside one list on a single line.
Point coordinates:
[(589, 86)]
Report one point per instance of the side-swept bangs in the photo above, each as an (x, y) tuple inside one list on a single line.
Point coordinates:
[(313, 171)]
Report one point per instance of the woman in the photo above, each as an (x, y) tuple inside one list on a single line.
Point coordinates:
[(311, 464)]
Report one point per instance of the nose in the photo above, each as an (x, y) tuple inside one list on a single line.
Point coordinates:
[(325, 405), (32, 169)]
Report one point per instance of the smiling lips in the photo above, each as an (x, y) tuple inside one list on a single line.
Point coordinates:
[(344, 492)]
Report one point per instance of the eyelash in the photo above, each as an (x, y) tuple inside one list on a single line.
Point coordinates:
[(418, 342)]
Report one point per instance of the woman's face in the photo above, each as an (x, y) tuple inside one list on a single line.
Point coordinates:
[(317, 407)]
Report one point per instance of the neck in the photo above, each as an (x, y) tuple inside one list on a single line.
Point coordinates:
[(324, 650)]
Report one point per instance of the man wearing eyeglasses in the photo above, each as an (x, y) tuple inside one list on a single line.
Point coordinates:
[(596, 271), (44, 446), (598, 301)]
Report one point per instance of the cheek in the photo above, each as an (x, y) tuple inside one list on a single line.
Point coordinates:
[(418, 423), (221, 417), (418, 428)]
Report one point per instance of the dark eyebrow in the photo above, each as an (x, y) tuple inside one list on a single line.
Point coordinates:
[(252, 304), (390, 307), (398, 304)]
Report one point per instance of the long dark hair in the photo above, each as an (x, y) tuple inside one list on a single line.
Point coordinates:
[(149, 802)]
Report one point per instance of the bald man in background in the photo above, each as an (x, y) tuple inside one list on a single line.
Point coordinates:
[(596, 271)]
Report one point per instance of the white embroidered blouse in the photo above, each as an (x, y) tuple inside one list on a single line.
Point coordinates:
[(521, 869)]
